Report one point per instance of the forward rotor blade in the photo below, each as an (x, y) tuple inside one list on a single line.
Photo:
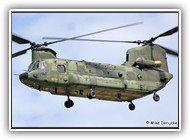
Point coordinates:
[(20, 53), (95, 40), (94, 33), (20, 40), (167, 33)]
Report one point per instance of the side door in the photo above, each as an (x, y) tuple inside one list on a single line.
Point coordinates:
[(62, 73)]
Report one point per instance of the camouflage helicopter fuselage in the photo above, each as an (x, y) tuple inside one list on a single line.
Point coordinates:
[(144, 72)]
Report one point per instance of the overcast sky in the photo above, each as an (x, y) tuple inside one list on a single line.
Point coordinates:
[(32, 108)]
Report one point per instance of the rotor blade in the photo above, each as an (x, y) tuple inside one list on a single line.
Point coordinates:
[(96, 40), (20, 40), (167, 33), (20, 53), (172, 52), (94, 33), (169, 51)]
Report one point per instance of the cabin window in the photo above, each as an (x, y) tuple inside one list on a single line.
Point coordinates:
[(81, 69), (61, 68)]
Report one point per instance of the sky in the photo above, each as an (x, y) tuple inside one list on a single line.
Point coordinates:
[(32, 108)]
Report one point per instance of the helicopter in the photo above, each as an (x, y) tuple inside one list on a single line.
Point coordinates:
[(144, 72)]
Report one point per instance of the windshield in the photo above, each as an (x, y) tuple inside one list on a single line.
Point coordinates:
[(37, 65)]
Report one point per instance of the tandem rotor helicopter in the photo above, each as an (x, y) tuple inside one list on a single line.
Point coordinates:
[(145, 71)]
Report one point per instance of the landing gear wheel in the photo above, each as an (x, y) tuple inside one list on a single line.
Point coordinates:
[(91, 94), (131, 106), (69, 103), (156, 97)]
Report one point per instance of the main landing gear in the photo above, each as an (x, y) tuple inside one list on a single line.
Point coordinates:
[(131, 106), (156, 98), (69, 103)]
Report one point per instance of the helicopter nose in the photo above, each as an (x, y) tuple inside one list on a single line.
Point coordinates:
[(23, 76)]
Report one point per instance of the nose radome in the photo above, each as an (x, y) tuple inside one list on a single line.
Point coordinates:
[(23, 76)]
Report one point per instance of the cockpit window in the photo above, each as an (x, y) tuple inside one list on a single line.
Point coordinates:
[(61, 68), (43, 66), (37, 65), (30, 67)]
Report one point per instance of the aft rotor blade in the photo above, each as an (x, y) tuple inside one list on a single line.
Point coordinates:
[(20, 53), (94, 33), (167, 33), (115, 41), (20, 40), (169, 51)]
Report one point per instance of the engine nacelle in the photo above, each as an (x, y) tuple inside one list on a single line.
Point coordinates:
[(141, 62)]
